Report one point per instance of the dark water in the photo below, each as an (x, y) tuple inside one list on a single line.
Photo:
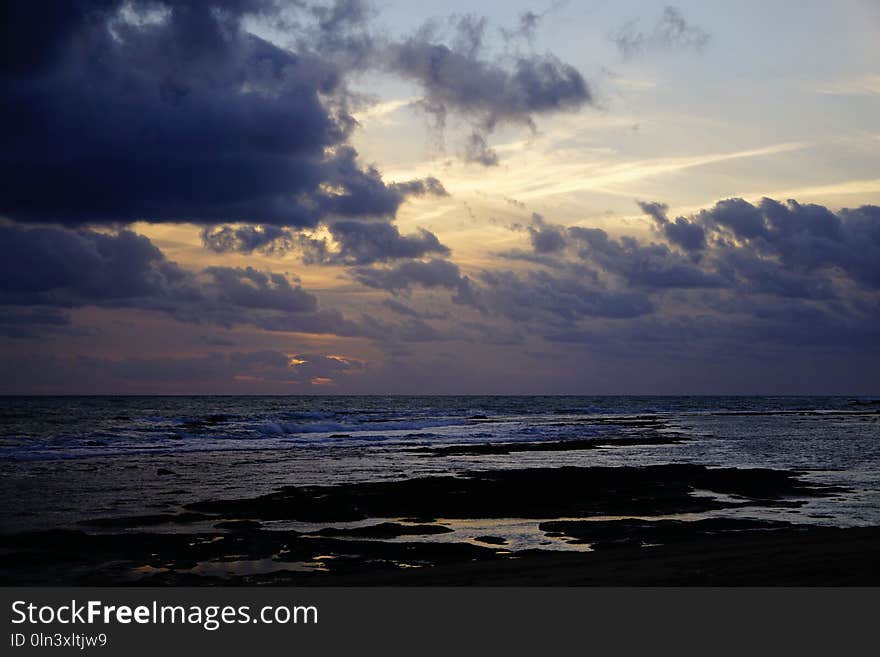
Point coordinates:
[(66, 459)]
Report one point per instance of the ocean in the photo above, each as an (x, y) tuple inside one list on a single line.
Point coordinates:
[(65, 460)]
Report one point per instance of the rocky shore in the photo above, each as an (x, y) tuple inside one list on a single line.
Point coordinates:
[(398, 533)]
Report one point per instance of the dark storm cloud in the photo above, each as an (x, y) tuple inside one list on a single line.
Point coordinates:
[(249, 288), (783, 249), (641, 265), (363, 243), (799, 239), (429, 186), (638, 265), (520, 297), (123, 110), (63, 268), (681, 232), (755, 274), (357, 242), (545, 237), (66, 268), (461, 76), (116, 111), (247, 239), (759, 279), (432, 274), (353, 243), (59, 267), (458, 74), (342, 31), (670, 32), (526, 296), (738, 216)]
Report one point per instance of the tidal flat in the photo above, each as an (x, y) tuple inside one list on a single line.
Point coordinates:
[(395, 532)]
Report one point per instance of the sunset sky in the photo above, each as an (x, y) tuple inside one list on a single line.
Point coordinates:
[(260, 197)]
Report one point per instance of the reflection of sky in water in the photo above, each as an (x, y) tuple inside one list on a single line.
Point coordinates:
[(62, 479), (255, 567)]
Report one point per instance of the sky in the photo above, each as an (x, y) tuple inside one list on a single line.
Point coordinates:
[(571, 197)]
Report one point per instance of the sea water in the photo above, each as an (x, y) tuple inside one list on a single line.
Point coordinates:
[(67, 459)]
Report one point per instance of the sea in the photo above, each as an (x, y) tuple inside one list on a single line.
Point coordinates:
[(64, 460)]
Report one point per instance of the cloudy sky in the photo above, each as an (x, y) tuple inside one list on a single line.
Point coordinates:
[(295, 197)]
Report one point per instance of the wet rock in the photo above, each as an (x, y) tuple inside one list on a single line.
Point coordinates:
[(239, 525), (491, 540), (548, 446), (527, 493), (635, 532), (126, 522), (384, 530)]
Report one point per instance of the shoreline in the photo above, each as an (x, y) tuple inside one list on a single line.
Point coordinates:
[(387, 533), (811, 557)]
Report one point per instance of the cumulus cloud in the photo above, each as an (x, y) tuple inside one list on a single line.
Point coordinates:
[(736, 276), (249, 288), (361, 243), (641, 265), (807, 256), (520, 297), (63, 268), (67, 268), (432, 274), (350, 243), (123, 110), (524, 297), (799, 238), (429, 186), (545, 237), (586, 251), (787, 249), (354, 242), (247, 239), (681, 232), (670, 32)]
